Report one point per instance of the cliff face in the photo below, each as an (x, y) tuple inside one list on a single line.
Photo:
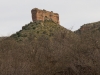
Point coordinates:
[(38, 14)]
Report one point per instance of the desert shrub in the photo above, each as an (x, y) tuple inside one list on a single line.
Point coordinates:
[(34, 27)]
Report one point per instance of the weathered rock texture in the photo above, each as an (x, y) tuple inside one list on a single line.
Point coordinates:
[(42, 15)]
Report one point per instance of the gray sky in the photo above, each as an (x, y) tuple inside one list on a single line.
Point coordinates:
[(73, 13)]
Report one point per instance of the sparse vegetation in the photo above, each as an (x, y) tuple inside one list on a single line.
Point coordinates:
[(46, 48)]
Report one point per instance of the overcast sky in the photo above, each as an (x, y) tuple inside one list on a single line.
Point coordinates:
[(73, 13)]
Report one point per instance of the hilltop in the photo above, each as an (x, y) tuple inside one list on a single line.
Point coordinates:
[(39, 29), (38, 46), (44, 47), (90, 27)]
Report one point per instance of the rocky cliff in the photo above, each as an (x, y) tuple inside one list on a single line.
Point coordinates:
[(41, 15)]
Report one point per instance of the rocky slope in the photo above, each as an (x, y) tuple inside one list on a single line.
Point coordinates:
[(90, 27), (46, 48), (2, 38)]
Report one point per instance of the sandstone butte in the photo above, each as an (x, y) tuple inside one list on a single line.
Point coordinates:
[(41, 15)]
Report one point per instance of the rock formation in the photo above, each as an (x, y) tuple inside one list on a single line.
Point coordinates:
[(42, 15)]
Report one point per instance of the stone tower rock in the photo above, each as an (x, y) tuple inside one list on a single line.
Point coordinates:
[(38, 14)]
